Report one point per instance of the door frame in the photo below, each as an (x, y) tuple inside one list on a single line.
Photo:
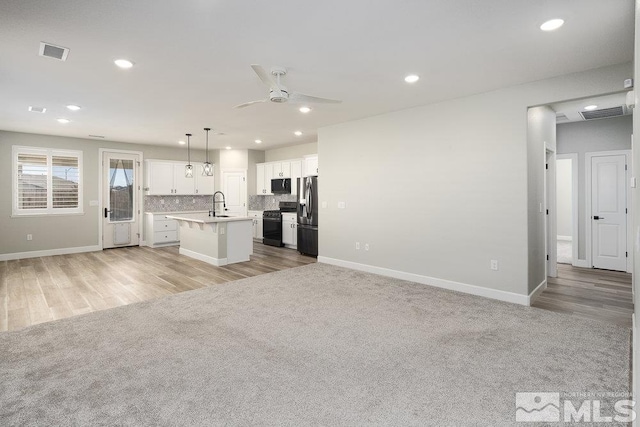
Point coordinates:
[(550, 233), (587, 204), (575, 207), (246, 191), (139, 176)]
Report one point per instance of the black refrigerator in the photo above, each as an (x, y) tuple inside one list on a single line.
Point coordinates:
[(308, 215)]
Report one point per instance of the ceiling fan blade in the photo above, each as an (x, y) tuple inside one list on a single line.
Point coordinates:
[(300, 97), (246, 104), (266, 78)]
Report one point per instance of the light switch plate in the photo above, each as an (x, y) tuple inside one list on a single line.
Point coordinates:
[(342, 205)]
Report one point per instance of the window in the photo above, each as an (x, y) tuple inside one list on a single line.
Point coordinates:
[(46, 181)]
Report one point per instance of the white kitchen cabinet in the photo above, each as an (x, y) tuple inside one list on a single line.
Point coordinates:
[(161, 231), (204, 185), (281, 170), (265, 172), (165, 177), (257, 224), (296, 172), (311, 166), (290, 230), (159, 178)]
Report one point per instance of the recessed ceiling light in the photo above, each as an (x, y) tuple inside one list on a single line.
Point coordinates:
[(73, 107), (305, 110), (297, 133), (228, 148), (411, 78), (258, 141), (37, 109), (181, 142), (123, 63), (590, 107), (63, 121), (552, 24)]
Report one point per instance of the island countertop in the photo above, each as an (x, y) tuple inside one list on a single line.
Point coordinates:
[(204, 218)]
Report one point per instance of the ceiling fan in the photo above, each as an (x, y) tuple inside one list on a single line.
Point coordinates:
[(278, 93)]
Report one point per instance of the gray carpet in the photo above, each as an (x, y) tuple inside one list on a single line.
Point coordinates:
[(314, 345)]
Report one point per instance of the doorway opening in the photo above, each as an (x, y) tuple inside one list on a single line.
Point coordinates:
[(120, 198)]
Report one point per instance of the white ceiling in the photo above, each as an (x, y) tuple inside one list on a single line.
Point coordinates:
[(193, 60)]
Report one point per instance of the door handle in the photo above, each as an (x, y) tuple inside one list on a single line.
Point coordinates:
[(106, 212), (596, 217)]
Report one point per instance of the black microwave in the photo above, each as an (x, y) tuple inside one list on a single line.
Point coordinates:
[(281, 186)]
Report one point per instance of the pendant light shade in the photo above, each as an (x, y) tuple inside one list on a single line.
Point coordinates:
[(188, 170), (207, 168)]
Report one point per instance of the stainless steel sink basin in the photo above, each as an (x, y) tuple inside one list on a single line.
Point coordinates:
[(222, 216)]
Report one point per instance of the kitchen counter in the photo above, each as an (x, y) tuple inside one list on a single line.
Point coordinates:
[(175, 212), (215, 240)]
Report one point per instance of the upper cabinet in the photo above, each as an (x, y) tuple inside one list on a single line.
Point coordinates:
[(265, 172), (164, 177), (311, 165)]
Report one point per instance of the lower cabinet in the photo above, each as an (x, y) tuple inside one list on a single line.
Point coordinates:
[(290, 230), (161, 231), (257, 224)]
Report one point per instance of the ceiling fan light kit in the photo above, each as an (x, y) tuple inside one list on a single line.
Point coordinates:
[(278, 93)]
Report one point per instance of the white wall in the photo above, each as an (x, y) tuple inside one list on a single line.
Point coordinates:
[(635, 195), (440, 190), (541, 135), (588, 137), (564, 197), (292, 152)]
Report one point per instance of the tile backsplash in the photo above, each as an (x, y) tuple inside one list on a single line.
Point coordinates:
[(268, 203), (176, 203)]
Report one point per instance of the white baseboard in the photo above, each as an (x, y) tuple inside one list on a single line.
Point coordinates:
[(581, 263), (218, 262), (537, 291), (432, 281), (49, 252), (566, 238)]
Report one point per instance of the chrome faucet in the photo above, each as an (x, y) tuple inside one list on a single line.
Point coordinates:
[(212, 212)]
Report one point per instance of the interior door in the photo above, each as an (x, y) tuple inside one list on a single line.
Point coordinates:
[(121, 213), (234, 187), (608, 212)]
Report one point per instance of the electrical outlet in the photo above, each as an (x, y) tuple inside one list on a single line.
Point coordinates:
[(366, 246), (342, 205), (162, 201), (494, 264), (194, 200), (177, 200), (357, 246), (29, 236)]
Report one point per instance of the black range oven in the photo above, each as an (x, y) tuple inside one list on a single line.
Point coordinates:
[(272, 228), (272, 224)]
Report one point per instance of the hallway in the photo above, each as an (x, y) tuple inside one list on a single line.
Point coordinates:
[(596, 294)]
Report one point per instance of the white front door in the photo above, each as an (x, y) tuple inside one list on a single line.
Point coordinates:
[(234, 187), (608, 212), (121, 213)]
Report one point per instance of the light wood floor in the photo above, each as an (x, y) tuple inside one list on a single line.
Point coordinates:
[(586, 292), (39, 290)]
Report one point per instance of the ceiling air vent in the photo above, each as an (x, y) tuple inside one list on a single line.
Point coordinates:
[(37, 109), (561, 118), (53, 51), (605, 113)]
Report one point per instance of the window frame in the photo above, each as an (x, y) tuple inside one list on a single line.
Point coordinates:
[(49, 153)]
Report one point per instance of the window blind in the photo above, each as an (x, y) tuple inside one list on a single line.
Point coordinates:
[(65, 176), (32, 181)]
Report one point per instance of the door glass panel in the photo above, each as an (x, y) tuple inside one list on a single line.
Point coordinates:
[(121, 190)]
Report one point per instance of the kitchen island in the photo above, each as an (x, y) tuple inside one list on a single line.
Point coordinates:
[(215, 240)]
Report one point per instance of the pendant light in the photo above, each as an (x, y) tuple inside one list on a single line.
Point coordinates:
[(188, 170), (207, 169)]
